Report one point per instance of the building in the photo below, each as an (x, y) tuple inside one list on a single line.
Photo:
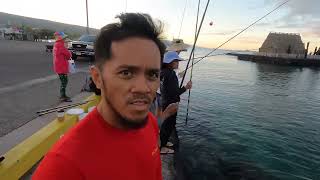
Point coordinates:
[(10, 33), (283, 43), (3, 29)]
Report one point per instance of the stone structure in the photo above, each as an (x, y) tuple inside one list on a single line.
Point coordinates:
[(283, 43)]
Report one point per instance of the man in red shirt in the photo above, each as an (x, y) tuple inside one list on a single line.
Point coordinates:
[(119, 139)]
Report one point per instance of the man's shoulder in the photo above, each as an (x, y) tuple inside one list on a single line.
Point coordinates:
[(67, 151), (152, 117), (77, 138), (153, 121)]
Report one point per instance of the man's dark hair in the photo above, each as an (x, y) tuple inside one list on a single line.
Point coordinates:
[(130, 25)]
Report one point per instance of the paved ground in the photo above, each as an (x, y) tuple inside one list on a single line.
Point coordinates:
[(28, 83)]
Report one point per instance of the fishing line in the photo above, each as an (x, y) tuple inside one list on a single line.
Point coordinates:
[(195, 42), (184, 12), (255, 22), (195, 35)]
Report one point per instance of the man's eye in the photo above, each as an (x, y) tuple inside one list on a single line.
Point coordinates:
[(126, 74), (153, 75)]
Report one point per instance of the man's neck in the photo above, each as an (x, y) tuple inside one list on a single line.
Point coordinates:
[(108, 115)]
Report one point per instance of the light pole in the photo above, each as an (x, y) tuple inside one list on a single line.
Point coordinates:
[(125, 10), (87, 17)]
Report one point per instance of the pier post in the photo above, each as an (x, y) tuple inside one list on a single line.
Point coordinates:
[(307, 49)]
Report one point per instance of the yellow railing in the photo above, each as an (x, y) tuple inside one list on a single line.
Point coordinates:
[(25, 155)]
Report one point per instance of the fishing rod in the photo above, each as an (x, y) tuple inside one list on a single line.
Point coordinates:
[(195, 36), (195, 42), (184, 12), (62, 107), (55, 110), (255, 22)]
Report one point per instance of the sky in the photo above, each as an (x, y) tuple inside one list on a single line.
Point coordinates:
[(228, 17)]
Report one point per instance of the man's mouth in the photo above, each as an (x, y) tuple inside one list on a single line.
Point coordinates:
[(140, 104)]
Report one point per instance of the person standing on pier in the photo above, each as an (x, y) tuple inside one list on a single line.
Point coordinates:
[(178, 46), (170, 93), (118, 139), (61, 56)]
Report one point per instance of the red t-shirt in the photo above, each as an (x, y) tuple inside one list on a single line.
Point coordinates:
[(95, 150)]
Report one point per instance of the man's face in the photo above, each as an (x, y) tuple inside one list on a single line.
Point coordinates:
[(175, 64), (129, 80)]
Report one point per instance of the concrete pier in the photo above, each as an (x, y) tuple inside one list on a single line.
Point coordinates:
[(278, 60)]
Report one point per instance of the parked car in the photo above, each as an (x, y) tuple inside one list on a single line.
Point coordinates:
[(83, 47)]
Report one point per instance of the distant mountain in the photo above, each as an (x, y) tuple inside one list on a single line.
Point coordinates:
[(6, 18)]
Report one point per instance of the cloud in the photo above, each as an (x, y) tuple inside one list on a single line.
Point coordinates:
[(250, 39), (216, 33), (297, 16), (283, 24), (264, 24), (302, 16), (313, 31), (299, 8), (221, 33), (254, 4), (308, 26)]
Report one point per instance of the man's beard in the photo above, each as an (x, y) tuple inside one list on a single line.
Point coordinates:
[(122, 120)]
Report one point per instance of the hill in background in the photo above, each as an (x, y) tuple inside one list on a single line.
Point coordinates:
[(75, 30), (15, 20)]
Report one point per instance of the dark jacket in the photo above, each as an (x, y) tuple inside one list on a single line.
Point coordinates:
[(169, 87)]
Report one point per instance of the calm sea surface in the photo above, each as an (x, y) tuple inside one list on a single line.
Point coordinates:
[(250, 121)]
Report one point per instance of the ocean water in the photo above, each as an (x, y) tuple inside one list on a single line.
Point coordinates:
[(250, 121)]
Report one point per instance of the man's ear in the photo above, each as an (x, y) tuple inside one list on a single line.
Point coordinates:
[(96, 76)]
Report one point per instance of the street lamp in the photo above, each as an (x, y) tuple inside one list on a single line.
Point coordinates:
[(87, 17), (125, 10)]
